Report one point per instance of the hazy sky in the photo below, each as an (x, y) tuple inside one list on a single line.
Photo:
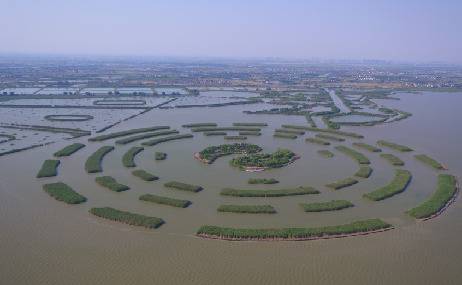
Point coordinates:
[(411, 30)]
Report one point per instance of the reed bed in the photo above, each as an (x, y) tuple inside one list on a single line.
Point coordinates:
[(333, 205), (68, 150), (303, 190), (397, 185), (127, 217), (93, 163), (64, 193)]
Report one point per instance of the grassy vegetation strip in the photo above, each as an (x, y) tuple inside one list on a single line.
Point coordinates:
[(394, 160), (93, 163), (396, 186), (146, 176), (363, 172), (215, 133), (430, 161), (330, 138), (326, 153), (145, 136), (127, 217), (333, 205), (199, 125), (268, 193), (235, 137), (166, 139), (160, 155), (262, 181), (339, 184), (359, 157), (394, 146), (183, 186), (165, 200), (126, 133), (284, 135), (68, 118), (357, 227), (330, 131), (68, 150), (367, 147), (317, 141), (128, 159), (290, 131), (247, 209), (250, 124), (249, 133), (63, 192), (49, 168), (445, 192), (224, 129), (110, 183)]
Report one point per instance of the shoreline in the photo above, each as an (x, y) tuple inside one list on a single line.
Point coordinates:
[(324, 237)]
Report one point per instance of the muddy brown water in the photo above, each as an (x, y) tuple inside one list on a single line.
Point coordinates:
[(43, 241)]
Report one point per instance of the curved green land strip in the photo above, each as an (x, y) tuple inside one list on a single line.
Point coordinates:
[(126, 133), (198, 125), (216, 129), (359, 157), (330, 138), (364, 172), (277, 159), (215, 133), (430, 161), (249, 133), (394, 160), (262, 181), (330, 131), (250, 124), (367, 147), (146, 136), (68, 118), (146, 176), (165, 200), (128, 159), (110, 183), (394, 146), (211, 153), (68, 150), (444, 194), (396, 186), (284, 135), (93, 163), (290, 131), (317, 141), (183, 186), (235, 138), (49, 168), (62, 192), (268, 193), (127, 217), (326, 153), (339, 184), (333, 205), (247, 209), (293, 233), (166, 139), (160, 155)]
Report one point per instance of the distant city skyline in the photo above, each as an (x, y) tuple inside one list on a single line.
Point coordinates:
[(410, 31)]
